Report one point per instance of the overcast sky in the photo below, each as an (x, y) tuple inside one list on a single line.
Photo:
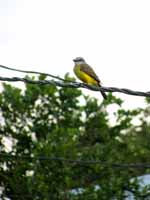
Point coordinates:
[(112, 35)]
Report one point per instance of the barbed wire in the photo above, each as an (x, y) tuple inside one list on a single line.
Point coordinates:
[(68, 83), (79, 162)]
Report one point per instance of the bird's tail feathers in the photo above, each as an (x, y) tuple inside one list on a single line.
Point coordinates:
[(103, 93)]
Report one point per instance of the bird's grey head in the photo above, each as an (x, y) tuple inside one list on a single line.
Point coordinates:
[(79, 60)]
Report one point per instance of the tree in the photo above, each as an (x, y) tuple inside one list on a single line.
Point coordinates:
[(46, 123)]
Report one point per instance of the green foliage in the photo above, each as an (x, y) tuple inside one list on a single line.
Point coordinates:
[(44, 121)]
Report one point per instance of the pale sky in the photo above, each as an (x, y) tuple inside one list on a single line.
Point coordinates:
[(112, 35)]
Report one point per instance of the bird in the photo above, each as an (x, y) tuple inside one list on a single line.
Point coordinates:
[(86, 74)]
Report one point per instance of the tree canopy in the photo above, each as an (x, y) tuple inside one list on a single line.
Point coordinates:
[(50, 142)]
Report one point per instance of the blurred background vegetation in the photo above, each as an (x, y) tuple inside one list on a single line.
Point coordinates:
[(42, 122)]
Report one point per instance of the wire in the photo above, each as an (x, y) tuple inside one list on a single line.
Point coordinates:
[(76, 85), (32, 72), (68, 83), (72, 84), (79, 162)]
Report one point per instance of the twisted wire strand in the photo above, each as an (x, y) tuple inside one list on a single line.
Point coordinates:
[(32, 72), (79, 162), (68, 83), (71, 84)]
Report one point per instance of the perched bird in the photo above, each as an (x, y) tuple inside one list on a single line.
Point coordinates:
[(86, 74)]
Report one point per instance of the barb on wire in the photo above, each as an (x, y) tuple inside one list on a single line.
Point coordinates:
[(72, 84), (79, 162)]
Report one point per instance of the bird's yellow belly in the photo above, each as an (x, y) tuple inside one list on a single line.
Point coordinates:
[(85, 77)]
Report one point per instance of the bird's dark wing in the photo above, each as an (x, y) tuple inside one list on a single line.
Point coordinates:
[(88, 70)]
